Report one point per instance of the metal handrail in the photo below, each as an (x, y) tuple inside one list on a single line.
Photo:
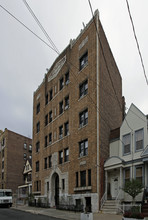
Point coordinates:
[(118, 201), (103, 199)]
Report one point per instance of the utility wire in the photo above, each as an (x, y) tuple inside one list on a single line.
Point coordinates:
[(106, 62), (27, 28), (54, 49), (41, 26), (137, 42)]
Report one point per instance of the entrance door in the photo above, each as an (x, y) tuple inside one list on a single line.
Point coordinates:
[(57, 190), (88, 204), (114, 187)]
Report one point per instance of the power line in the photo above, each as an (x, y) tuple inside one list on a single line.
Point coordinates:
[(106, 62), (41, 26), (27, 28), (137, 42)]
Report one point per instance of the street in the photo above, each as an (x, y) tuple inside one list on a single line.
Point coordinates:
[(7, 214)]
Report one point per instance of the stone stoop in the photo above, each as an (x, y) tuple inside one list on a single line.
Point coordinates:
[(144, 209), (109, 207)]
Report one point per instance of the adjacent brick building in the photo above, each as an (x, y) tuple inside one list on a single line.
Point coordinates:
[(15, 149), (75, 107)]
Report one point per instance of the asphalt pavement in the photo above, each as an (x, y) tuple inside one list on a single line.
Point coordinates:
[(66, 215)]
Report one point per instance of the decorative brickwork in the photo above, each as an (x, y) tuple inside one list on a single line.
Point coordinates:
[(89, 87)]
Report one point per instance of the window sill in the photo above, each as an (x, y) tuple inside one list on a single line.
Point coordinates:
[(136, 151), (82, 126), (82, 97), (86, 64), (84, 188), (127, 154)]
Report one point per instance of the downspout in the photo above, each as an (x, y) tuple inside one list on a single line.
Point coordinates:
[(97, 72)]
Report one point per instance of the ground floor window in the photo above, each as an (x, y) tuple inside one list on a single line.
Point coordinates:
[(127, 174), (139, 174)]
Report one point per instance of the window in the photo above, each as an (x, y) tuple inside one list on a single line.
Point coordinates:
[(61, 157), (30, 148), (51, 94), (49, 162), (83, 88), (25, 146), (127, 174), (50, 138), (30, 157), (60, 131), (66, 102), (83, 178), (46, 141), (89, 177), (38, 146), (139, 140), (61, 83), (83, 61), (37, 127), (46, 99), (45, 163), (61, 107), (25, 156), (67, 78), (2, 177), (66, 125), (38, 108), (139, 174), (37, 185), (83, 118), (47, 186), (37, 166), (77, 179), (63, 184), (2, 153), (83, 148), (3, 141), (50, 116), (126, 144), (46, 120), (66, 154), (2, 164)]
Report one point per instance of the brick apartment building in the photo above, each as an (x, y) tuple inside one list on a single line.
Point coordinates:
[(15, 149), (75, 107)]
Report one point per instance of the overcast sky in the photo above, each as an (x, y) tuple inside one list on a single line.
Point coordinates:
[(24, 58)]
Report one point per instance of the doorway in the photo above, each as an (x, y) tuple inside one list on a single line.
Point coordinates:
[(56, 190), (88, 204), (114, 187)]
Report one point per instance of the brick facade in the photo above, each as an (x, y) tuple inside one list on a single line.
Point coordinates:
[(92, 111), (13, 156)]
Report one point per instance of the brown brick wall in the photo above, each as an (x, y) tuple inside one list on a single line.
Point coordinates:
[(14, 159), (110, 100), (110, 115)]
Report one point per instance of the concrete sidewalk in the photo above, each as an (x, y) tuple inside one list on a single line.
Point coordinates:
[(67, 215)]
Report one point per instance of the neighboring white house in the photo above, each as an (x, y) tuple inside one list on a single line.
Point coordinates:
[(128, 155)]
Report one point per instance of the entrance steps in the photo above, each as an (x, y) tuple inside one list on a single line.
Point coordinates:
[(145, 209), (109, 207)]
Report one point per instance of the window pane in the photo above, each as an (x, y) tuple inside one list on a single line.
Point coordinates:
[(126, 143), (139, 174), (139, 139), (83, 178), (83, 60)]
